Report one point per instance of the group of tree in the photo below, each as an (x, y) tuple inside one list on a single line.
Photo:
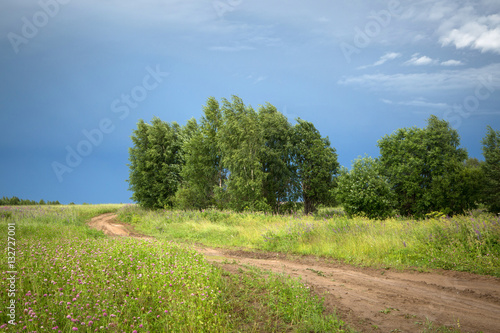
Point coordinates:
[(15, 201), (422, 170), (237, 158), (233, 158)]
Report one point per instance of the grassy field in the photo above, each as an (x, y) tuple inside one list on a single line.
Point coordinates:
[(464, 243), (72, 278)]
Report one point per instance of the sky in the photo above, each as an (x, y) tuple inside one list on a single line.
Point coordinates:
[(77, 75)]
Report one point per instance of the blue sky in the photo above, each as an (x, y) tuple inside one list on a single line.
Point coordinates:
[(77, 75)]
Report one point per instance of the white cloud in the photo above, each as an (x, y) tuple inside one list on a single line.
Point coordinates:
[(420, 61), (442, 80), (452, 62), (468, 30), (386, 57), (256, 80), (419, 102), (463, 24)]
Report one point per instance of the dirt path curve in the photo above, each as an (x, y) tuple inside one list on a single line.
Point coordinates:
[(371, 299)]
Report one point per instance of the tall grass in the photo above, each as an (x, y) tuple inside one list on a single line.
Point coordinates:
[(464, 243), (49, 222), (72, 278)]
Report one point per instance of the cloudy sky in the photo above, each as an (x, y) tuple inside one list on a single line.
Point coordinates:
[(76, 75)]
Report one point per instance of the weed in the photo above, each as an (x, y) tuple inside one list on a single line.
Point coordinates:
[(388, 310), (320, 273)]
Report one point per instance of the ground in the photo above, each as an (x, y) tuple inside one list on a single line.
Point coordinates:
[(369, 299)]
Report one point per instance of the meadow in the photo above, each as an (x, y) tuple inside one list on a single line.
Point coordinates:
[(72, 278), (469, 242)]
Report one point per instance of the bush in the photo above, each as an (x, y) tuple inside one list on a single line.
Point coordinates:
[(364, 191)]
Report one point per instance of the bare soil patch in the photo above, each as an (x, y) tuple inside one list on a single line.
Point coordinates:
[(370, 299), (109, 224)]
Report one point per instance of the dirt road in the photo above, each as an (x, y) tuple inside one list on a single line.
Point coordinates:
[(371, 300)]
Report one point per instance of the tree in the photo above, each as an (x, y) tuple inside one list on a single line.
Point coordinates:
[(156, 160), (236, 158), (425, 168), (280, 181), (364, 189), (491, 170), (203, 170), (316, 164), (240, 144), (14, 201)]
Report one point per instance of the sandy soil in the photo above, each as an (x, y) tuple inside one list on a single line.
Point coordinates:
[(370, 300)]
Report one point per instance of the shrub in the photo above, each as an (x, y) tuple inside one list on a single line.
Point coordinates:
[(364, 191)]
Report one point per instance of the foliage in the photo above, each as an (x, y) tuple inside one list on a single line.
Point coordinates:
[(316, 164), (426, 169), (240, 143), (237, 158), (203, 169), (280, 181), (15, 201), (364, 190), (491, 170), (156, 161)]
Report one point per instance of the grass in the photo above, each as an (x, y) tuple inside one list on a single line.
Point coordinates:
[(72, 278), (464, 243)]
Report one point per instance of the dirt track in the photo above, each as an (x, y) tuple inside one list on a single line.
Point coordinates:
[(370, 299)]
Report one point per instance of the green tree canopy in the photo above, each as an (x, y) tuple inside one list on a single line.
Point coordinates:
[(202, 172), (491, 170), (156, 160), (365, 190), (280, 179), (316, 163), (426, 168), (235, 158), (240, 143)]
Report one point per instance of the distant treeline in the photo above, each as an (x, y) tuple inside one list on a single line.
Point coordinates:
[(241, 159), (15, 201)]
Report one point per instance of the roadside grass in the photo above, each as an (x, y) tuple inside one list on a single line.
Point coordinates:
[(284, 303), (71, 278), (48, 222), (463, 243)]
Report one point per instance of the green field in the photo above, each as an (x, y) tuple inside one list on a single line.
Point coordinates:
[(72, 278), (464, 243)]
